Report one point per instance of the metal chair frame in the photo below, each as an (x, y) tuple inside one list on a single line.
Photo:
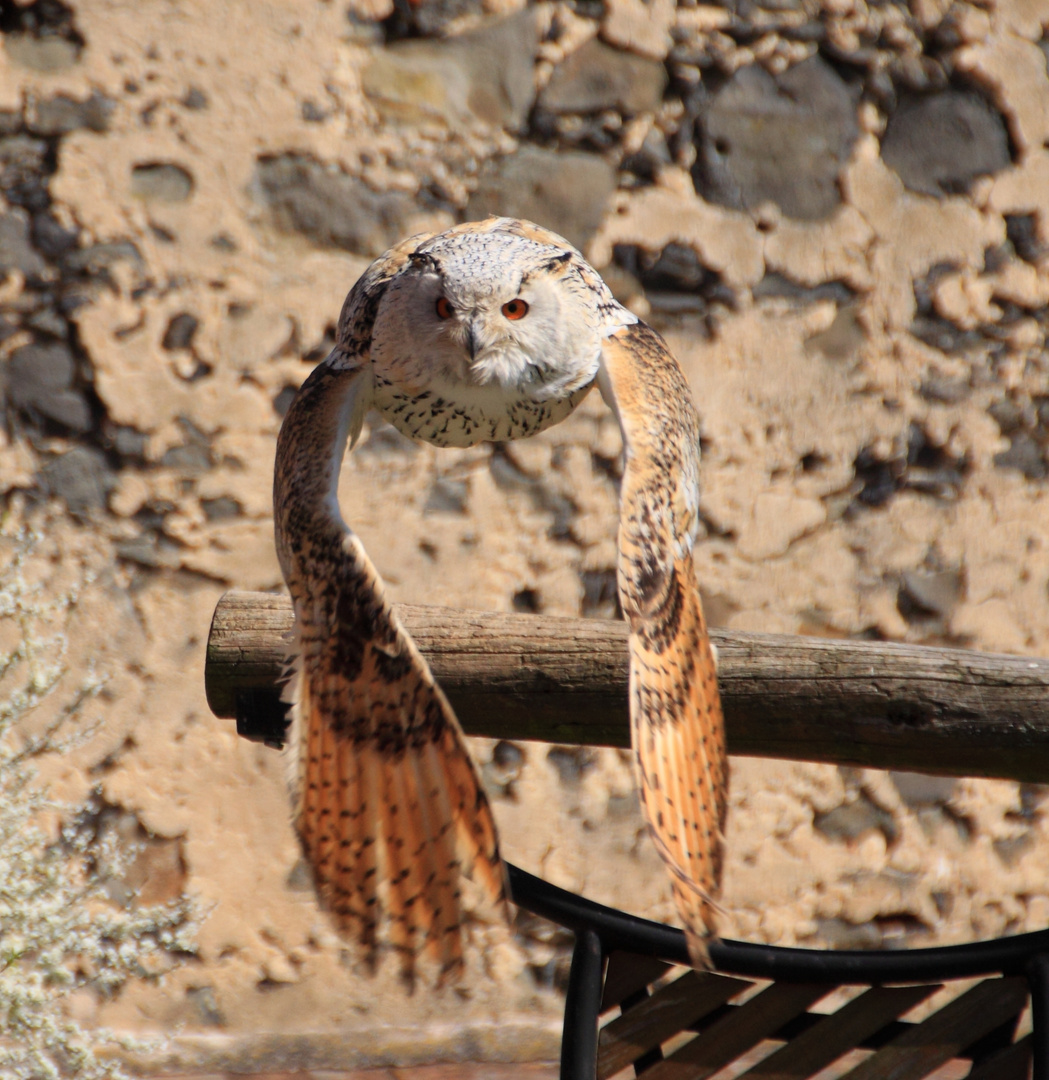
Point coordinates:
[(603, 933)]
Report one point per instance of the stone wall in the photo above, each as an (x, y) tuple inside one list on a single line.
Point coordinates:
[(838, 215)]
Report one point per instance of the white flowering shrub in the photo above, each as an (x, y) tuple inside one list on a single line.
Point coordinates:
[(59, 931)]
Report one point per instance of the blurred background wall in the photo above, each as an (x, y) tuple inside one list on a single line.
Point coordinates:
[(837, 212)]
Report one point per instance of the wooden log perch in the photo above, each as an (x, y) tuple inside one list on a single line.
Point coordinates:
[(948, 711)]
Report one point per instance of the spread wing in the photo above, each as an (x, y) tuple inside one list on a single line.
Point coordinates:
[(675, 710), (388, 802)]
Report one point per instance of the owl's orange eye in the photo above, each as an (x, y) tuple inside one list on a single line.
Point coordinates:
[(515, 309), (444, 308)]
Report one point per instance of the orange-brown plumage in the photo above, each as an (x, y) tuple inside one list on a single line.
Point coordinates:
[(675, 709), (389, 803)]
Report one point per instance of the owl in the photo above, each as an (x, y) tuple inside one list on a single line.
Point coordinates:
[(487, 331)]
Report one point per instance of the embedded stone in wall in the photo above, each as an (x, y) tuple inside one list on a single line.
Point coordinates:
[(596, 77), (80, 477), (782, 140), (61, 115), (44, 54), (330, 208), (161, 182), (431, 19), (939, 144), (40, 382), (487, 74), (23, 171), (566, 191), (16, 251)]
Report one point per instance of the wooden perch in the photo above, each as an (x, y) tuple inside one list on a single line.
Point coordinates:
[(947, 711)]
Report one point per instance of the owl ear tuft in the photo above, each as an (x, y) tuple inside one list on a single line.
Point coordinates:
[(422, 260), (559, 263)]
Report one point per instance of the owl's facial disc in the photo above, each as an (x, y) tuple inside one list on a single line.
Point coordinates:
[(499, 315), (492, 333), (477, 330)]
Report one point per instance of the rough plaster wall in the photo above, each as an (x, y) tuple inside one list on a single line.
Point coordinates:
[(869, 360)]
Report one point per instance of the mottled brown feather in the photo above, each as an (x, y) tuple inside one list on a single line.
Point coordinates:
[(389, 804), (675, 709), (376, 737)]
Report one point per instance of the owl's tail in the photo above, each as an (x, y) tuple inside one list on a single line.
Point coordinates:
[(679, 746)]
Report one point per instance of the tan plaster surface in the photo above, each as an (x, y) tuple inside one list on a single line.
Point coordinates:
[(776, 382)]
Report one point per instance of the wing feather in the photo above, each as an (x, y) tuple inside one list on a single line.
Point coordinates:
[(376, 737), (675, 709)]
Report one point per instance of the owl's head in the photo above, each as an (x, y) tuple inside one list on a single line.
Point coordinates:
[(493, 308)]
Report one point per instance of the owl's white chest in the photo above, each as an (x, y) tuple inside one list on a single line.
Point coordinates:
[(449, 412)]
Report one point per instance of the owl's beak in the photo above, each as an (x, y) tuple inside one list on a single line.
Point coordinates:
[(474, 338)]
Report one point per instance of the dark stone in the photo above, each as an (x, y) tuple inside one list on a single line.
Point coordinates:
[(221, 509), (40, 382), (49, 323), (501, 773), (566, 191), (312, 113), (430, 19), (16, 250), (24, 171), (51, 238), (385, 443), (80, 477), (572, 762), (47, 54), (61, 115), (195, 98), (1008, 415), (929, 592), (1011, 849), (879, 479), (783, 140), (1025, 454), (526, 602), (180, 331), (487, 74), (98, 258), (929, 467), (330, 208), (943, 390), (839, 934), (161, 182), (447, 497), (508, 755), (128, 442), (675, 269), (597, 77), (939, 144), (194, 455), (600, 595), (40, 19), (776, 285), (918, 789), (190, 458), (1021, 230), (851, 820), (282, 402), (653, 155), (205, 1006)]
